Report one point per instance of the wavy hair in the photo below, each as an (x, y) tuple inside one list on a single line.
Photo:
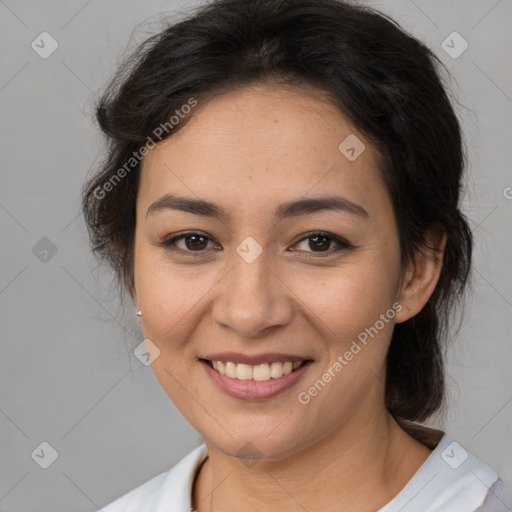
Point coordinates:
[(384, 80)]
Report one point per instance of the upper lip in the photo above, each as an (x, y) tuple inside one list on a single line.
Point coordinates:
[(254, 359)]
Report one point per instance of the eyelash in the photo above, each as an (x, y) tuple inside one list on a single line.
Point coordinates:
[(342, 244)]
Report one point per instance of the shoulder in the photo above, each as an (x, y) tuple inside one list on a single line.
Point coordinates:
[(498, 499), (450, 480), (168, 491)]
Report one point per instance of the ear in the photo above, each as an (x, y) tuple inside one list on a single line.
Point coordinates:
[(422, 275)]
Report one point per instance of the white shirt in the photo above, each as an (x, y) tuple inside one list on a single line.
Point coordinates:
[(450, 480)]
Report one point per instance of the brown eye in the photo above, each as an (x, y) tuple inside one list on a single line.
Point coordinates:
[(322, 244), (195, 242), (188, 242), (319, 242)]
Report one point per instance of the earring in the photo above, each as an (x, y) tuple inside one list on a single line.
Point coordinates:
[(139, 313)]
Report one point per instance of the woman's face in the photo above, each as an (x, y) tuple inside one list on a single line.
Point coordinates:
[(255, 282)]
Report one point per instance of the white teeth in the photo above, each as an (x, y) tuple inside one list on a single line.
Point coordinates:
[(276, 370), (243, 371), (261, 372), (231, 370), (258, 372)]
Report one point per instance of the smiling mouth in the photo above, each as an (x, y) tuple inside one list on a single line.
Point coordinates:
[(258, 372)]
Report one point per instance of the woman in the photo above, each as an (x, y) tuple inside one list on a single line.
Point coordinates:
[(281, 201)]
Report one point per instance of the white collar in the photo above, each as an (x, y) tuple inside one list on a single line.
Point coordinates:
[(450, 480)]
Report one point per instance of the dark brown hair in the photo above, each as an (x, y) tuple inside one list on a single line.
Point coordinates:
[(387, 83)]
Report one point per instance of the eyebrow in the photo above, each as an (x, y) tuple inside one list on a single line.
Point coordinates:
[(286, 210)]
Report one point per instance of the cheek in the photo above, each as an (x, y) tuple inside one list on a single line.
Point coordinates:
[(353, 308), (346, 300), (171, 297)]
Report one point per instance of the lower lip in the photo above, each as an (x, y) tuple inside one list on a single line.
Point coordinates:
[(253, 389)]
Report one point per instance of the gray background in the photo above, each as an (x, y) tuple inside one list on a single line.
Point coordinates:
[(68, 376)]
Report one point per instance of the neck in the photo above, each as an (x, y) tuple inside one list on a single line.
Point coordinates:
[(363, 465)]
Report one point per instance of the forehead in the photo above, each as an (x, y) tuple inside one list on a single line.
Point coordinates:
[(261, 143)]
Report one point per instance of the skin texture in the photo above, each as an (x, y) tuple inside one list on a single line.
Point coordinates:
[(249, 151)]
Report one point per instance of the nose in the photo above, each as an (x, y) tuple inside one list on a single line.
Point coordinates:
[(252, 299)]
